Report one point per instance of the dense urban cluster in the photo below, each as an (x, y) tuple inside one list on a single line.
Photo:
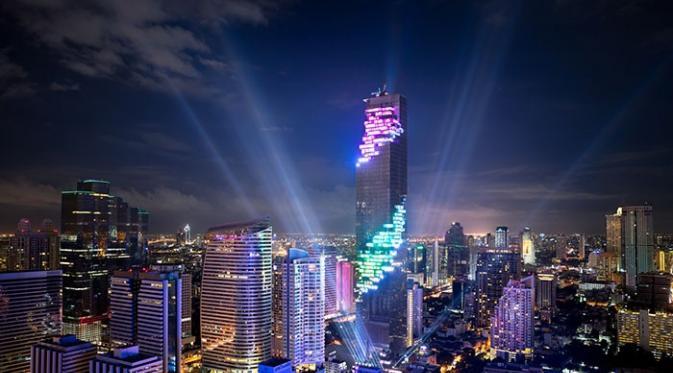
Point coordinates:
[(104, 294)]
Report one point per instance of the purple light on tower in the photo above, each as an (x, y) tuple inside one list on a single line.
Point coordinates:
[(382, 125)]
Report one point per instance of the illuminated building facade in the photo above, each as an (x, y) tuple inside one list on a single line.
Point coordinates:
[(345, 278), (99, 233), (501, 237), (30, 311), (630, 241), (495, 268), (513, 320), (545, 295), (613, 236), (236, 297), (299, 327), (62, 354), (381, 187), (638, 242), (126, 360), (414, 311), (146, 309), (457, 252), (32, 249), (653, 331), (527, 246)]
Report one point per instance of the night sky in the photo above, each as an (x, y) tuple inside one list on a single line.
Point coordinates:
[(546, 114)]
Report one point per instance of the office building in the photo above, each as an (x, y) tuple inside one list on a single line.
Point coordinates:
[(63, 354), (495, 267), (653, 331), (381, 187), (614, 242), (501, 237), (34, 249), (100, 233), (654, 290), (513, 320), (126, 360), (545, 295), (236, 296), (146, 310), (299, 327), (345, 278), (276, 365), (527, 246), (414, 311), (457, 252), (30, 311)]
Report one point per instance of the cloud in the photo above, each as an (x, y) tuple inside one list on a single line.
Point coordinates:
[(151, 43), (14, 81), (25, 193), (64, 87)]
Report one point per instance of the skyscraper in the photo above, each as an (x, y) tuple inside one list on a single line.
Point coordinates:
[(630, 241), (457, 252), (638, 242), (345, 278), (613, 236), (501, 237), (146, 309), (299, 327), (98, 234), (414, 311), (62, 354), (513, 319), (545, 295), (236, 314), (494, 270), (380, 224), (527, 246), (30, 311), (381, 187)]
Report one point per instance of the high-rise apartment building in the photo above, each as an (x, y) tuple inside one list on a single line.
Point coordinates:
[(62, 354), (345, 278), (527, 246), (299, 327), (495, 267), (501, 237), (653, 331), (513, 320), (99, 233), (146, 309), (236, 296), (30, 311)]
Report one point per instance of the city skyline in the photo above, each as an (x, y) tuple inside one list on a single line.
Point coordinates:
[(517, 117)]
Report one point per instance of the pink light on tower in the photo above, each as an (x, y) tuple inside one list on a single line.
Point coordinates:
[(382, 126), (345, 285)]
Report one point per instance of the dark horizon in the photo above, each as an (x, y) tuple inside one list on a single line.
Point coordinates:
[(545, 114)]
